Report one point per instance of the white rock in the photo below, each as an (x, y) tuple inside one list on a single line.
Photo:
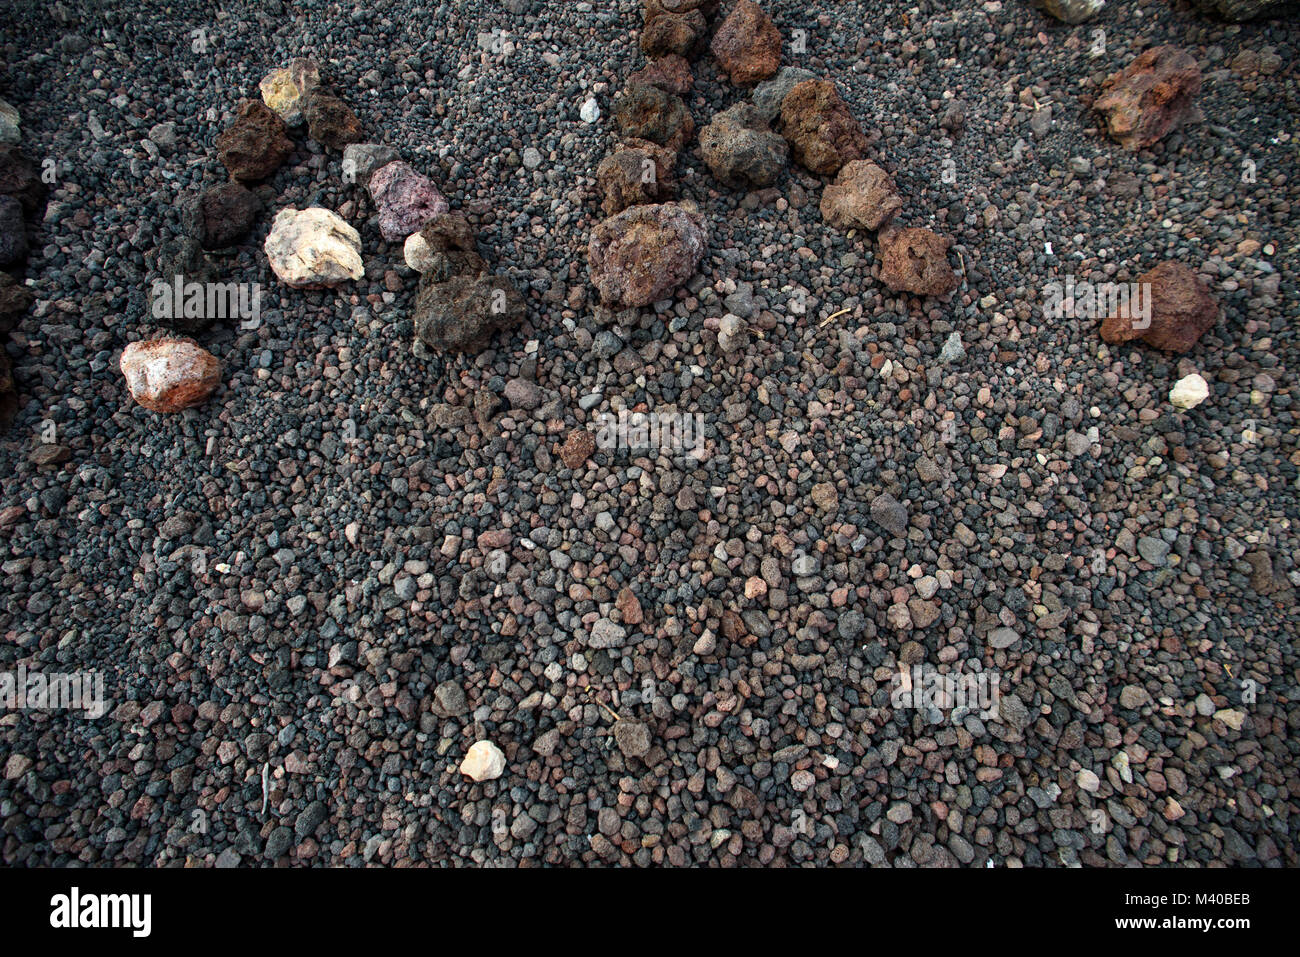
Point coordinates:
[(1189, 391), (313, 247), (417, 253), (484, 762), (1088, 781), (590, 111)]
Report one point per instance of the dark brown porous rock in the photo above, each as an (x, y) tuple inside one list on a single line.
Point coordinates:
[(330, 121), (462, 313), (1182, 310), (672, 28), (220, 216), (649, 113), (254, 146), (821, 131), (638, 172)]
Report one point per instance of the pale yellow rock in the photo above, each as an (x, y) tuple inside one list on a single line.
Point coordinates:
[(1233, 719), (313, 247), (484, 762), (1189, 392), (283, 89)]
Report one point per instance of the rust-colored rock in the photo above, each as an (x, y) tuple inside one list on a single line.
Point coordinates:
[(1182, 310), (644, 253), (862, 196), (747, 45), (577, 448), (254, 146), (822, 132), (168, 375), (638, 172), (672, 74), (628, 606), (1149, 97), (916, 260), (330, 121)]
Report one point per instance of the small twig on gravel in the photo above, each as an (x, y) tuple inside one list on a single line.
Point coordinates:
[(832, 316), (612, 713), (266, 792)]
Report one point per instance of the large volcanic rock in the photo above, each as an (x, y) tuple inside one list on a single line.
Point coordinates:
[(330, 121), (1182, 310), (822, 132), (311, 248), (220, 216), (649, 113), (20, 179), (863, 196), (644, 253), (740, 150), (916, 260), (1149, 97), (639, 172), (255, 144), (446, 246), (747, 45), (406, 200), (462, 313), (672, 27)]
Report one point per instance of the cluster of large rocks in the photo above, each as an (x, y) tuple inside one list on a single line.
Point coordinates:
[(649, 246), (308, 248), (22, 199), (825, 138)]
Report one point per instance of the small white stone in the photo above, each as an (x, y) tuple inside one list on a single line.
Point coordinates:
[(590, 111), (417, 252), (1088, 781), (484, 762), (1189, 391)]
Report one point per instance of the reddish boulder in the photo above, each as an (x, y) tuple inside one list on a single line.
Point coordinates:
[(820, 129), (672, 74), (916, 260), (1182, 310), (747, 45), (1149, 97), (862, 196), (644, 253), (639, 172)]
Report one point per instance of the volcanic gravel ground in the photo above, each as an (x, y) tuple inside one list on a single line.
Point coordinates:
[(268, 589)]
